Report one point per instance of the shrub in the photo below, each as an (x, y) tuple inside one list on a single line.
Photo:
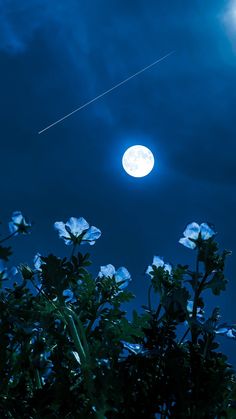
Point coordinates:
[(67, 349)]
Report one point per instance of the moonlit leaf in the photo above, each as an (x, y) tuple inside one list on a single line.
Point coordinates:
[(77, 357), (135, 348)]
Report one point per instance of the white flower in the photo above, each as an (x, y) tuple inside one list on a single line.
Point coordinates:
[(107, 271), (77, 231), (18, 224), (122, 275), (6, 273), (192, 232), (226, 330), (159, 262)]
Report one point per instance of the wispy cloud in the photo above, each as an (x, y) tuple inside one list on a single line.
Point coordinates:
[(20, 21)]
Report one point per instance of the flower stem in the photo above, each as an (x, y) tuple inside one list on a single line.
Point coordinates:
[(194, 333), (158, 310), (37, 379), (184, 336), (149, 297), (40, 290), (73, 250), (9, 237), (84, 343), (95, 316), (76, 338), (196, 295)]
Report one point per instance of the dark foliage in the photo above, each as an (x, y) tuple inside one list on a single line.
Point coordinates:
[(67, 349)]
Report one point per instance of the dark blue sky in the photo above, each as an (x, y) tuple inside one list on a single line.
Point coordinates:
[(54, 56)]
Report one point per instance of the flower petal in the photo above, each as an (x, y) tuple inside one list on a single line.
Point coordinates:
[(107, 271), (18, 224), (17, 217), (60, 227), (12, 227), (192, 231), (77, 225), (38, 262), (149, 269), (122, 274), (206, 231), (190, 306), (187, 243), (226, 330), (91, 242), (93, 233), (168, 267), (158, 261)]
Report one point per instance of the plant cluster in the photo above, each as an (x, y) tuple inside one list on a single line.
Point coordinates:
[(67, 349)]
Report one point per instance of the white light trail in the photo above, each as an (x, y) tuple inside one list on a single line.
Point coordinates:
[(106, 92)]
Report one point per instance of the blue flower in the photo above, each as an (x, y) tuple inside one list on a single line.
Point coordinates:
[(226, 330), (77, 231), (159, 262), (6, 273), (122, 275), (18, 224), (192, 233)]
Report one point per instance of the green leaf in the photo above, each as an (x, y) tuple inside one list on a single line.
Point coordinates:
[(217, 283), (175, 303)]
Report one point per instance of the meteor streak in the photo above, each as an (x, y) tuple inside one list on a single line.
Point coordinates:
[(106, 92)]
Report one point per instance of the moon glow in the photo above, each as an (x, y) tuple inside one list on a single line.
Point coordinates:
[(138, 161)]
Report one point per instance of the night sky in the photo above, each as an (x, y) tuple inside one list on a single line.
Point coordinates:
[(56, 55)]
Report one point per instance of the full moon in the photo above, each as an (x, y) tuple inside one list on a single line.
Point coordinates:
[(138, 161)]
